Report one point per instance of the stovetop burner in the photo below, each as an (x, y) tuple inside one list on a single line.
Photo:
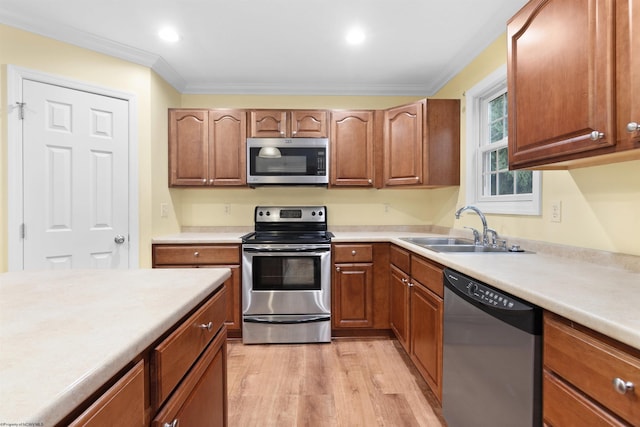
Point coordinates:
[(292, 237), (290, 225)]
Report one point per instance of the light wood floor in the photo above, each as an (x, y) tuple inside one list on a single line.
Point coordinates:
[(349, 382)]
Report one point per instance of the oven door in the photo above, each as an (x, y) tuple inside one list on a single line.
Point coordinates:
[(281, 280)]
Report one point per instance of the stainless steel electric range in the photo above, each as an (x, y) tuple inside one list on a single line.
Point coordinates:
[(286, 276)]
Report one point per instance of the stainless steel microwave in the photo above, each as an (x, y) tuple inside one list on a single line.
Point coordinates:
[(288, 161)]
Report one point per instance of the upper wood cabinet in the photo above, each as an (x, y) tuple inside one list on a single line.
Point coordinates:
[(288, 124), (352, 148), (565, 87), (628, 73), (207, 147), (422, 144)]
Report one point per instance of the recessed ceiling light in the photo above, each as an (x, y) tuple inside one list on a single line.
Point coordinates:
[(168, 34), (356, 36)]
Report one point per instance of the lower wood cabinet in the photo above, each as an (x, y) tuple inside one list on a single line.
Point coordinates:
[(358, 291), (201, 398), (122, 405), (416, 314), (589, 379), (179, 381), (203, 256), (399, 297)]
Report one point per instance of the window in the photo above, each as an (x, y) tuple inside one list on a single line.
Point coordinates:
[(491, 186)]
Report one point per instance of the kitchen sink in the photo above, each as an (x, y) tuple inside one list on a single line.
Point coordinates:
[(428, 241), (452, 244), (463, 248)]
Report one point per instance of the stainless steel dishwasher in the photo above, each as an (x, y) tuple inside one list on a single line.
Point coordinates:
[(491, 356)]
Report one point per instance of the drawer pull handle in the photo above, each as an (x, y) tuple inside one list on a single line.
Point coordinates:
[(206, 326), (622, 386), (173, 423)]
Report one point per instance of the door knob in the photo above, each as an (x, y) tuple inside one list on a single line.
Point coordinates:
[(119, 239), (632, 127)]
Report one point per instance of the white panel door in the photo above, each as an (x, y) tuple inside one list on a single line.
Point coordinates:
[(76, 184)]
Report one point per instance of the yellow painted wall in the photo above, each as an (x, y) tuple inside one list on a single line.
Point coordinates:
[(45, 55), (600, 205), (202, 207)]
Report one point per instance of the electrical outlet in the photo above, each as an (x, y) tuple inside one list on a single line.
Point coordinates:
[(164, 210), (227, 209), (387, 207), (556, 211)]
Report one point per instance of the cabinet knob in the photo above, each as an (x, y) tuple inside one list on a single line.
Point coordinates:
[(595, 135), (196, 253), (622, 386), (370, 181), (337, 268), (353, 253), (294, 132), (282, 133), (211, 181), (403, 280), (204, 180), (206, 326), (632, 127), (173, 423)]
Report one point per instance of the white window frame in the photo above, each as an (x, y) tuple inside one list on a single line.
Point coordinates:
[(517, 204)]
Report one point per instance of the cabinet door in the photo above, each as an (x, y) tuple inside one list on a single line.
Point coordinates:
[(352, 148), (188, 147), (403, 145), (353, 296), (122, 405), (628, 72), (561, 81), (309, 124), (234, 305), (227, 152), (268, 124), (399, 307), (426, 335), (201, 398)]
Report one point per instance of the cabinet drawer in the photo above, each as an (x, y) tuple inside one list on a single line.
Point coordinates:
[(173, 357), (195, 254), (122, 404), (352, 253), (563, 406), (591, 362), (400, 258), (430, 275), (201, 399)]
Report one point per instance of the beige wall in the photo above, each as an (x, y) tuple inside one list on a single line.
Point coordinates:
[(600, 205), (70, 62), (201, 207)]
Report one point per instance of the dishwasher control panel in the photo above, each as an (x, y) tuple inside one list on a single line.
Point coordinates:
[(483, 293)]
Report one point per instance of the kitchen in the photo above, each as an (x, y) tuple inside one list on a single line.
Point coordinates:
[(600, 204)]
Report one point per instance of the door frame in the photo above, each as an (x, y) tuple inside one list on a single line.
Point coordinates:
[(15, 203)]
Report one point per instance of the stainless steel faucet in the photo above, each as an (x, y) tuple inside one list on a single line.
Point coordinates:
[(485, 234)]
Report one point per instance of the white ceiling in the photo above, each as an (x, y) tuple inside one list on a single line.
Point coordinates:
[(413, 47)]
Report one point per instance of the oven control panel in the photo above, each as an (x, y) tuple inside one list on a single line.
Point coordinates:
[(291, 214)]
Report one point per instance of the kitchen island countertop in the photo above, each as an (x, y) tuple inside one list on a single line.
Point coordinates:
[(63, 334)]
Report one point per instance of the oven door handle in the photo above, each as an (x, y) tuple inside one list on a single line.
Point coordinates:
[(283, 250), (288, 320)]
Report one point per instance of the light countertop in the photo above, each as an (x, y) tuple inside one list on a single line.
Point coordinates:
[(63, 334), (604, 298)]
